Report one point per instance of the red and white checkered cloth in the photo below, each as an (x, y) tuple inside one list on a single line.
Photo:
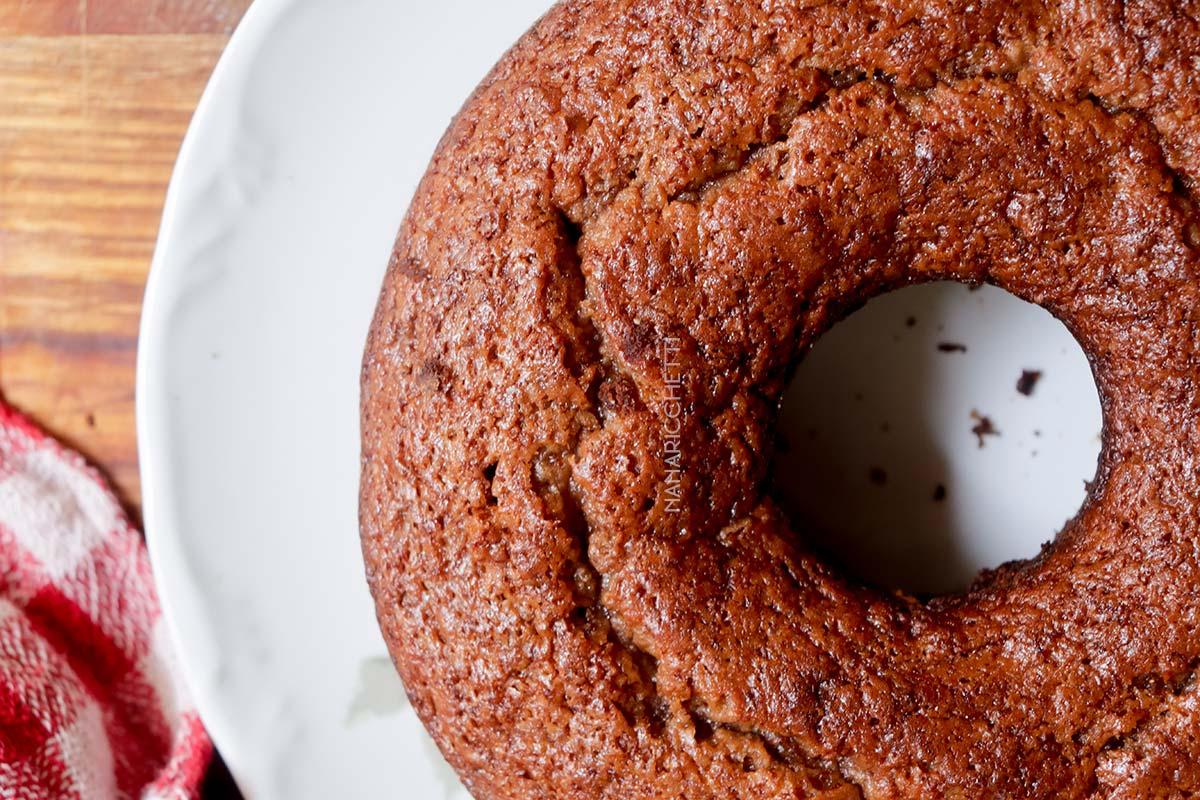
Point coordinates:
[(90, 703)]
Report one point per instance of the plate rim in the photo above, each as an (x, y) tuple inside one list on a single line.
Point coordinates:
[(161, 517)]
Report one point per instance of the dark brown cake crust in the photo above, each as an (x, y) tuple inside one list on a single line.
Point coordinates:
[(651, 190)]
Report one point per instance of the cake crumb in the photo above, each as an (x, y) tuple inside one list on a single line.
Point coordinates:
[(1028, 381), (983, 427)]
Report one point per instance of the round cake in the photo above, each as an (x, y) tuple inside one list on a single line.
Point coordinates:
[(627, 239)]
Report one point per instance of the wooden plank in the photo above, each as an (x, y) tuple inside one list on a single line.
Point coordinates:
[(163, 16), (65, 17), (40, 17), (89, 130)]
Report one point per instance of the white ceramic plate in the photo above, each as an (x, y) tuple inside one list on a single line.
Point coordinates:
[(287, 195)]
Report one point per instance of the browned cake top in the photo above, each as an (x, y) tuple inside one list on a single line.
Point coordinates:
[(628, 237)]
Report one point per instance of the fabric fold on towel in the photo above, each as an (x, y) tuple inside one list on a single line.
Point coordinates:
[(91, 702)]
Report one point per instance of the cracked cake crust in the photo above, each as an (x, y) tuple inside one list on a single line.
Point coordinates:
[(626, 240)]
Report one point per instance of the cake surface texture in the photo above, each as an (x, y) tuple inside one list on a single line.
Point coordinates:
[(628, 237)]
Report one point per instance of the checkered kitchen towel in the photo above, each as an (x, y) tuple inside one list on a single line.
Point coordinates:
[(90, 703)]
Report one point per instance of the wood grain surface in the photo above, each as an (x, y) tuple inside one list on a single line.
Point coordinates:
[(95, 96)]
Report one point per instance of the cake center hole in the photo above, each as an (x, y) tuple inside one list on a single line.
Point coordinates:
[(938, 431)]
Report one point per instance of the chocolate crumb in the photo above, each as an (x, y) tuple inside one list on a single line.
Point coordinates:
[(1028, 381), (878, 476), (939, 493), (910, 322), (983, 427), (951, 347)]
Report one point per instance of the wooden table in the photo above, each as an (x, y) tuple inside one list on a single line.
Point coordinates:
[(95, 96)]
